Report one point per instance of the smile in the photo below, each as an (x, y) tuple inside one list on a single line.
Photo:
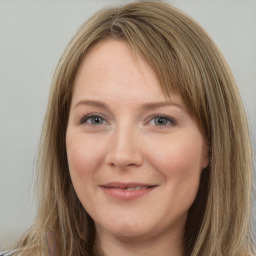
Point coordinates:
[(135, 188), (126, 191)]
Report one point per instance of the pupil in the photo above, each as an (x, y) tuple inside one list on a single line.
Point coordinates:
[(96, 120), (160, 121)]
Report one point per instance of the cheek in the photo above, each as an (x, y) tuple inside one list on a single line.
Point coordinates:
[(179, 158), (84, 157), (180, 163)]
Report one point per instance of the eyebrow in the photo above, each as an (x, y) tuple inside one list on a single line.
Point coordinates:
[(152, 105), (91, 103), (144, 106)]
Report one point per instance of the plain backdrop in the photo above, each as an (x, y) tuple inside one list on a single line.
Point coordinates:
[(34, 33)]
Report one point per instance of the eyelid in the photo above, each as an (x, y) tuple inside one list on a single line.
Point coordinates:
[(87, 116), (172, 120)]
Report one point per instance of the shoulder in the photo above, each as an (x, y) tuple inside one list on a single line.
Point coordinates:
[(7, 253)]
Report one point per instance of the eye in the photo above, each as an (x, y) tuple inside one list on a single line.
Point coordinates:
[(93, 120), (161, 120)]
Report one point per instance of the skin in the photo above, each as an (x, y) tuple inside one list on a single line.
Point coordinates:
[(127, 142)]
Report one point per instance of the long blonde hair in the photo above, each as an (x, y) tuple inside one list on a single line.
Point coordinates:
[(187, 62)]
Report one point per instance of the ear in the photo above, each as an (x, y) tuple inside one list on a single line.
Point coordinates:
[(205, 156)]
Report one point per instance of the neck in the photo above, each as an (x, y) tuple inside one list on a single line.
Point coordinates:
[(163, 245)]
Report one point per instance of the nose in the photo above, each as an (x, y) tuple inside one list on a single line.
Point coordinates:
[(124, 149)]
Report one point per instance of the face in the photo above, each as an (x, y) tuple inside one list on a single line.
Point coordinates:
[(135, 156)]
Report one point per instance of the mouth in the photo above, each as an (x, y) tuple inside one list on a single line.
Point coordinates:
[(126, 191), (128, 186), (131, 188)]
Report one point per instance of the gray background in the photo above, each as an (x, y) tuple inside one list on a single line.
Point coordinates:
[(33, 35)]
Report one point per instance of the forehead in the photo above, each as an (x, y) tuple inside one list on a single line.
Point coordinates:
[(111, 69)]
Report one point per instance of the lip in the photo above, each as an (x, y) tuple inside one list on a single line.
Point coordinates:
[(126, 191)]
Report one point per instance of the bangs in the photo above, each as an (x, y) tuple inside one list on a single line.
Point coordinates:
[(172, 49)]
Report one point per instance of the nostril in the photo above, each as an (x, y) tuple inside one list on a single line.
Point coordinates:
[(123, 150), (124, 160)]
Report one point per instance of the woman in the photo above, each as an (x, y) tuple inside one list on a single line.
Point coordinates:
[(145, 147)]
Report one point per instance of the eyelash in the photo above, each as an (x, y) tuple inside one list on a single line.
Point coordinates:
[(171, 121), (87, 117)]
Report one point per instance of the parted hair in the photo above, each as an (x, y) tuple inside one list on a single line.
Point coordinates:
[(187, 62)]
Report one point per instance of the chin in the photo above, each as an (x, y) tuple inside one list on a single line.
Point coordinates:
[(127, 230)]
